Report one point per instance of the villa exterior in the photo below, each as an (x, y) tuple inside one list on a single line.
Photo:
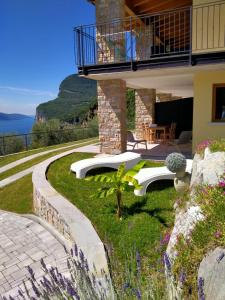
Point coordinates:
[(165, 50)]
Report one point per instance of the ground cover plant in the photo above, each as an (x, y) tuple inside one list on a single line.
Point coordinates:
[(134, 239), (207, 235)]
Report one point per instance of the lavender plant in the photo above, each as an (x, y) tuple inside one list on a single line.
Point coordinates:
[(81, 284)]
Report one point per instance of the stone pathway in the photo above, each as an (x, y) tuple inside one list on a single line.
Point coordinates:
[(24, 242), (30, 157), (86, 149)]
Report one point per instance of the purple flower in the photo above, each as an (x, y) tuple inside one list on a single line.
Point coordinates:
[(31, 272), (75, 249), (182, 277), (137, 293), (166, 239), (126, 286), (201, 295), (167, 262), (220, 257), (138, 261), (44, 265), (35, 289)]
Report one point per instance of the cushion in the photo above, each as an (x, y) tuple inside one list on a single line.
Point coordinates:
[(185, 137)]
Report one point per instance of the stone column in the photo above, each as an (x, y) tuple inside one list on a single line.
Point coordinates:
[(144, 108), (112, 115), (110, 36)]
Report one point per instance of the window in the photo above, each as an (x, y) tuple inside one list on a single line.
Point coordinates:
[(218, 104)]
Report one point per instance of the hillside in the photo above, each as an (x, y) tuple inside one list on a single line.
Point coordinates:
[(8, 117), (74, 97)]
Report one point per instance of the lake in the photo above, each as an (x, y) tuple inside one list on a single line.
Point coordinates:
[(17, 126)]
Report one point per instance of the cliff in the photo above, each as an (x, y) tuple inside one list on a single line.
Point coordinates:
[(74, 97)]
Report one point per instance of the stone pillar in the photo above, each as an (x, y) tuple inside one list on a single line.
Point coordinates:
[(144, 108), (112, 115), (110, 36)]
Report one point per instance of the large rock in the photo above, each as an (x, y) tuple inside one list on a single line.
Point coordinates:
[(212, 271), (207, 170)]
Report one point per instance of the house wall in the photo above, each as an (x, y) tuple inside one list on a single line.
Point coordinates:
[(203, 128), (208, 26)]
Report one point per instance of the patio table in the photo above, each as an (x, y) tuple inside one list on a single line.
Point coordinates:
[(160, 128)]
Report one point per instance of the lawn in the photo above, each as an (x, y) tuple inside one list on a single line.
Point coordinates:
[(18, 196), (145, 221), (43, 157), (4, 160)]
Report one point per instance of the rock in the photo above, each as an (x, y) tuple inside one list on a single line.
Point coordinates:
[(209, 169), (184, 224), (212, 270)]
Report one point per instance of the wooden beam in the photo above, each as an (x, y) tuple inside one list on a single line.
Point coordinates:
[(164, 5)]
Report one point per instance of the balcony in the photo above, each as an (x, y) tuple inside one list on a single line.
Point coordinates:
[(155, 40)]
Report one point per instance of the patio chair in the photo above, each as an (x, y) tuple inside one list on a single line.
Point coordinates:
[(131, 139), (170, 134), (148, 175), (113, 161)]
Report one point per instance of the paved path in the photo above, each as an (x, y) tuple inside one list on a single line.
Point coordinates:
[(24, 242), (25, 159), (19, 175)]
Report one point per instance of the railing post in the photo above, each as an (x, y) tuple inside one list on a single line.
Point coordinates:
[(131, 46), (78, 46), (190, 47), (3, 144), (82, 48), (26, 142)]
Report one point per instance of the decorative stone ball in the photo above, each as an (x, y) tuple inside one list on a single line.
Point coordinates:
[(176, 163)]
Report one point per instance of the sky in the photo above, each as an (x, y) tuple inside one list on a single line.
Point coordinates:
[(37, 49)]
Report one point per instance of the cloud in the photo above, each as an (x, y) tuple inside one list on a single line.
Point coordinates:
[(28, 92)]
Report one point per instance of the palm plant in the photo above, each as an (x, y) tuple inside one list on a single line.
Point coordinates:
[(117, 183)]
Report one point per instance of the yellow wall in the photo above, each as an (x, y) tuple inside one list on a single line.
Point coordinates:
[(208, 26), (203, 128)]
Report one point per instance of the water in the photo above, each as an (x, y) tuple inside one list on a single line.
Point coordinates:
[(17, 126)]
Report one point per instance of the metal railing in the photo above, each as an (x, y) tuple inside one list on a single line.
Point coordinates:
[(134, 38), (22, 142)]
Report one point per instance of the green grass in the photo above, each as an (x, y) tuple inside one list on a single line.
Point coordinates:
[(17, 197), (4, 160), (145, 219), (39, 159)]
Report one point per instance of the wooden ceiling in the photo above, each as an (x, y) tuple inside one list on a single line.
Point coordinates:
[(140, 7)]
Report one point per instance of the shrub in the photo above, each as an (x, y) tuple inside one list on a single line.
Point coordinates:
[(175, 162)]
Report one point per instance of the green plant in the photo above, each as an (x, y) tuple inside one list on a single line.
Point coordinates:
[(117, 184), (207, 235), (176, 162)]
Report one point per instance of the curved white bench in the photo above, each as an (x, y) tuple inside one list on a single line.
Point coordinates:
[(148, 175), (83, 166)]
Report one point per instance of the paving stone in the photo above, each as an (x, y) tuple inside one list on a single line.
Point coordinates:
[(23, 243)]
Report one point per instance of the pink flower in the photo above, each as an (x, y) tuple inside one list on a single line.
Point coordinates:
[(217, 234), (221, 184)]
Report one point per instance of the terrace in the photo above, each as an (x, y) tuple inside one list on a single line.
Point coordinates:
[(160, 39)]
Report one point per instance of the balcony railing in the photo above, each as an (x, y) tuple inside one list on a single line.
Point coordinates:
[(131, 39)]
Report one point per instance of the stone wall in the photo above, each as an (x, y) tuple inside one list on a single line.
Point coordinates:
[(112, 115), (145, 109), (67, 219)]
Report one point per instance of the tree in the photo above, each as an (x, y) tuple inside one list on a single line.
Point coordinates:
[(117, 184)]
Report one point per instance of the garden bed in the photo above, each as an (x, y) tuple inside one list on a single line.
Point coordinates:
[(145, 221)]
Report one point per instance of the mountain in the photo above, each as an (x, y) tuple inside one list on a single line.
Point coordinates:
[(74, 97), (9, 117)]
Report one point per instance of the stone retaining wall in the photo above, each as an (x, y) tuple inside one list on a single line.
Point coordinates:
[(66, 218)]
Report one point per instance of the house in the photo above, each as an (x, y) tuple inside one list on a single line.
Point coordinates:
[(167, 50)]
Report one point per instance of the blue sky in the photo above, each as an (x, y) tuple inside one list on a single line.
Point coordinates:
[(36, 49)]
